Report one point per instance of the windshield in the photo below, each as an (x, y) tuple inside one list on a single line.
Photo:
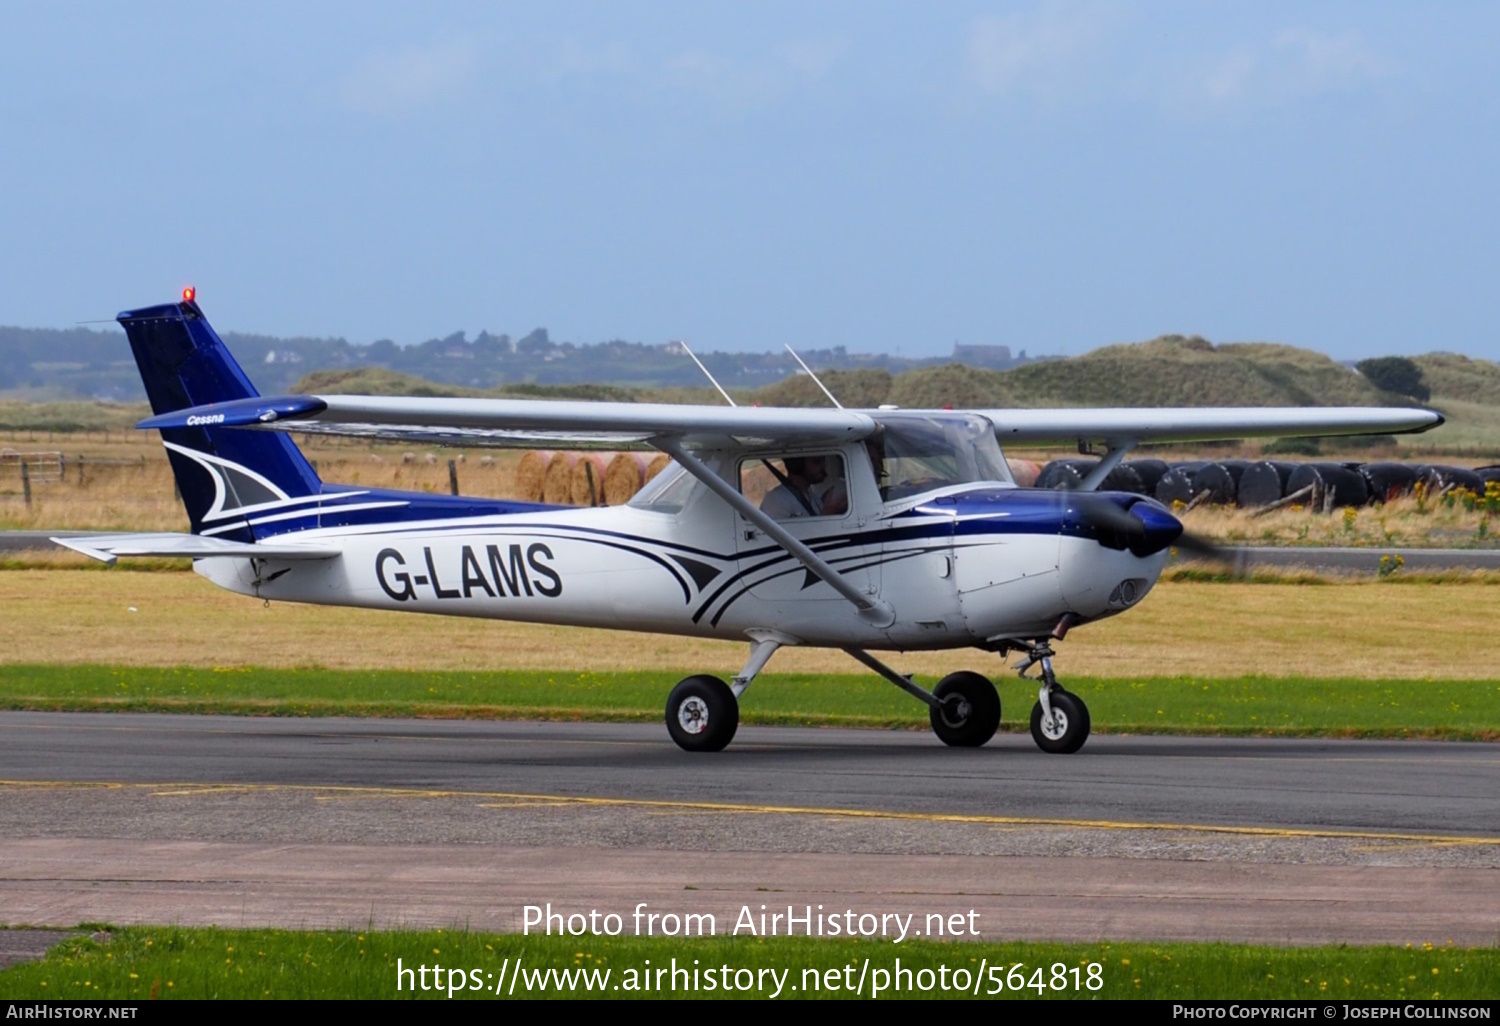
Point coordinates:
[(914, 454)]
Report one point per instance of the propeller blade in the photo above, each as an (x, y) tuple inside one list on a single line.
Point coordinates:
[(1105, 512), (1194, 547)]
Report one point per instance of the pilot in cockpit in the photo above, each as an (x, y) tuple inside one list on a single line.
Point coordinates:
[(807, 489)]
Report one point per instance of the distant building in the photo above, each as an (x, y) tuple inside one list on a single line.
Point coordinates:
[(993, 357)]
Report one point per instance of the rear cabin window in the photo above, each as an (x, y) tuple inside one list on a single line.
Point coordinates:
[(668, 491), (788, 487)]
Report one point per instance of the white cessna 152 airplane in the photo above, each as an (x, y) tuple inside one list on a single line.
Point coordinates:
[(864, 530)]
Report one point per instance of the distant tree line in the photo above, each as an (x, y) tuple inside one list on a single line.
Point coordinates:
[(80, 362)]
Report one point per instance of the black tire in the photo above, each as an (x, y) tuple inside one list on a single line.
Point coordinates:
[(702, 714), (1075, 723), (970, 710)]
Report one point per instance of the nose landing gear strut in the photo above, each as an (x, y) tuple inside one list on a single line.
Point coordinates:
[(1060, 721)]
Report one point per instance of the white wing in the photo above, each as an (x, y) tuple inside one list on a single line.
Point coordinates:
[(1202, 424), (501, 422)]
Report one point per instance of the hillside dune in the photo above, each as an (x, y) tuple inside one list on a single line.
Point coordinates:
[(1172, 370)]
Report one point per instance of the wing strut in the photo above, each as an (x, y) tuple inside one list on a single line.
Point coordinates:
[(1112, 457), (872, 610), (901, 680)]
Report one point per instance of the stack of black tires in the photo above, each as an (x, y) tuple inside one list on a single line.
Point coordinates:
[(1246, 483)]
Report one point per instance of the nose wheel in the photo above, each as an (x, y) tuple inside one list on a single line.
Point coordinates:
[(1060, 722), (1062, 725)]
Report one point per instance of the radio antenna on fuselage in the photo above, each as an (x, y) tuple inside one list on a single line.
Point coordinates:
[(813, 376), (706, 374)]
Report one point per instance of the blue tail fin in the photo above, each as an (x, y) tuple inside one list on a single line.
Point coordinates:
[(223, 474)]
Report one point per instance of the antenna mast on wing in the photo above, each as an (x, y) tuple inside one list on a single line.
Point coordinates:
[(706, 374), (813, 376)]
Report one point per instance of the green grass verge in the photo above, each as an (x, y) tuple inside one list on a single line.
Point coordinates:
[(173, 962), (1288, 706)]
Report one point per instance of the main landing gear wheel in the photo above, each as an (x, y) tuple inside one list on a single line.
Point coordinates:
[(1065, 731), (969, 713), (702, 714)]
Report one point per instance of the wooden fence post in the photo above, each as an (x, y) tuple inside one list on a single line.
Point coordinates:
[(26, 483), (453, 476)]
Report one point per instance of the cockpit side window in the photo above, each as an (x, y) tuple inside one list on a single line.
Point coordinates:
[(804, 485)]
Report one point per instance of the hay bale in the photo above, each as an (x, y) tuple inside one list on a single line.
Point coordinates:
[(589, 465), (1439, 477), (1218, 481), (658, 463), (1024, 472), (1389, 481), (1334, 485), (557, 486), (625, 475), (531, 474), (1150, 472), (1069, 474), (1176, 485), (1264, 482), (1063, 474)]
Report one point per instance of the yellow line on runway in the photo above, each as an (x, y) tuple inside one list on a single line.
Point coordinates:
[(1423, 760), (382, 736), (776, 810)]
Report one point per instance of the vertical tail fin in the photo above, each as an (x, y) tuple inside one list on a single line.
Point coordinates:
[(223, 474)]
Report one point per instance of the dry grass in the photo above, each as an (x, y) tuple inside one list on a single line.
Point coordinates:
[(1397, 524), (1366, 630), (134, 492)]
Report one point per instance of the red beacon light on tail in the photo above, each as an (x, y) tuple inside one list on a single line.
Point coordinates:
[(189, 294)]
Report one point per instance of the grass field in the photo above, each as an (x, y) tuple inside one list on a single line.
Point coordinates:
[(1243, 659), (168, 962), (1375, 631), (1283, 706)]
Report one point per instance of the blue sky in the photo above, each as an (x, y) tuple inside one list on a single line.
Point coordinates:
[(886, 176)]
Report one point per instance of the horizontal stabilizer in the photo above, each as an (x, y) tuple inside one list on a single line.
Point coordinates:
[(110, 547)]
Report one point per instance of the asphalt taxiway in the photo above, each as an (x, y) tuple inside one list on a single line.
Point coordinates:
[(1277, 783), (235, 821)]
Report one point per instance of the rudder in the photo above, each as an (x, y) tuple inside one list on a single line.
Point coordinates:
[(222, 474)]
